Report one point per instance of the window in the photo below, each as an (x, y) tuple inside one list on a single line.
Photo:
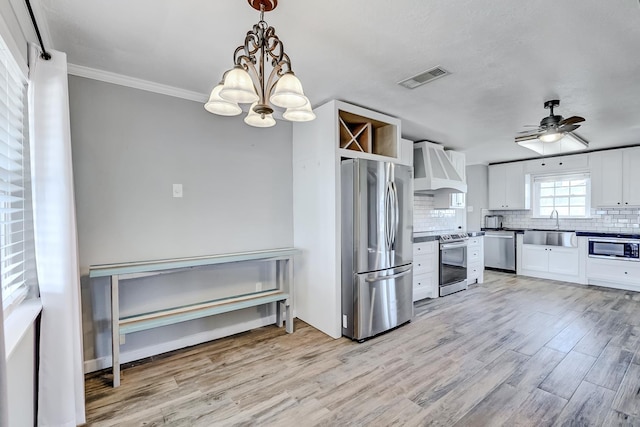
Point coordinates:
[(568, 194), (14, 181)]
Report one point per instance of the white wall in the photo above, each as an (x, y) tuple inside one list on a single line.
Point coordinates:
[(21, 381), (129, 147), (477, 195), (14, 22)]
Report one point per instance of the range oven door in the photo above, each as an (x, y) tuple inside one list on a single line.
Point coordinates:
[(453, 267)]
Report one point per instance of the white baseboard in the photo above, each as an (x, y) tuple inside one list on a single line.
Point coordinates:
[(93, 365), (618, 285)]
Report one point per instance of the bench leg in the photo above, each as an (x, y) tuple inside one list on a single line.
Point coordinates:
[(279, 314), (289, 321), (115, 332)]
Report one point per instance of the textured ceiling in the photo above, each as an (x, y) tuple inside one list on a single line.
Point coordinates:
[(506, 58)]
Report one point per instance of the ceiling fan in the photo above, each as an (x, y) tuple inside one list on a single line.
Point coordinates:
[(554, 134), (551, 128)]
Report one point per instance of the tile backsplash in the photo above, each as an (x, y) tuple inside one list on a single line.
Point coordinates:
[(427, 218), (606, 220)]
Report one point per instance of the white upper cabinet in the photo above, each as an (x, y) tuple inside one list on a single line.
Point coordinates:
[(508, 187), (614, 178), (560, 164)]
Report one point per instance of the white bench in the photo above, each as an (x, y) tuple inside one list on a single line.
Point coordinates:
[(120, 326)]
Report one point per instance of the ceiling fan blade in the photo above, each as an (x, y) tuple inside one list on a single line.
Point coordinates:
[(567, 128), (571, 120), (529, 137), (532, 131)]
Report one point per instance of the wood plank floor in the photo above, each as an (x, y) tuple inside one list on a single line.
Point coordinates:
[(512, 351)]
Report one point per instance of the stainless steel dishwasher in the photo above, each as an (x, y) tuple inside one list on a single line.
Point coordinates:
[(500, 250)]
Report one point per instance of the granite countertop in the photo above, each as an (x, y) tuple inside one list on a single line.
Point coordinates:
[(605, 234), (578, 232)]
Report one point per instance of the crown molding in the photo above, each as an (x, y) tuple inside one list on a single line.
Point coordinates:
[(122, 80)]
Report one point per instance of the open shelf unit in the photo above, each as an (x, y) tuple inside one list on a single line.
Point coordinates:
[(367, 135)]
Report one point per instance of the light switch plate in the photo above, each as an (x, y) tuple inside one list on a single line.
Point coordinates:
[(177, 190), (469, 208)]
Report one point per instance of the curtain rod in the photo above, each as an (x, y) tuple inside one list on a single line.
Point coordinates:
[(44, 55)]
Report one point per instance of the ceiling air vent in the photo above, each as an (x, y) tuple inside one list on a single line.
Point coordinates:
[(424, 77)]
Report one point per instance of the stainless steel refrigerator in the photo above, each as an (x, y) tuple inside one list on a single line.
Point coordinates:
[(377, 251)]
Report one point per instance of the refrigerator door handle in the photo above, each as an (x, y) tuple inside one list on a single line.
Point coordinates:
[(396, 212), (393, 276), (387, 218)]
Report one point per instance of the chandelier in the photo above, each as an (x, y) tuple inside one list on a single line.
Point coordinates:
[(247, 82)]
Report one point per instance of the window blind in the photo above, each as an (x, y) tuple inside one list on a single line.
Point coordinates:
[(13, 180)]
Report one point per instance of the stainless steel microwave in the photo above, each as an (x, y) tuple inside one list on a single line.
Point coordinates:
[(627, 250)]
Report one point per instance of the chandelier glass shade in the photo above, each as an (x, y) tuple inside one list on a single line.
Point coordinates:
[(300, 114), (259, 120), (218, 105), (249, 82)]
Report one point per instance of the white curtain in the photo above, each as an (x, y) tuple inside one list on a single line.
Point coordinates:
[(61, 379)]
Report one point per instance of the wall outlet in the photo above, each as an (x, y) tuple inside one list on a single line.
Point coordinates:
[(177, 190), (469, 208), (122, 339), (344, 320), (258, 286)]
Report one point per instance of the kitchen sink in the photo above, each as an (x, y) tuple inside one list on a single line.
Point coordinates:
[(551, 238)]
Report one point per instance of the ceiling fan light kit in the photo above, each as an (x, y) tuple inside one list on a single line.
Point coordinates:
[(568, 143), (554, 134), (248, 82)]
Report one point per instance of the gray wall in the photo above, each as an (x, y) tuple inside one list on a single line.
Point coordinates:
[(477, 195), (129, 147)]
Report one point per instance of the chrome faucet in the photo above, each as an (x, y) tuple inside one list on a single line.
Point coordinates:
[(557, 219)]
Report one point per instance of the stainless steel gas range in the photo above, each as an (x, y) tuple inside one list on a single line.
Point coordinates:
[(453, 263)]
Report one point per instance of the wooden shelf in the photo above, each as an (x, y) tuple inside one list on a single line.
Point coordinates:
[(367, 135), (142, 322)]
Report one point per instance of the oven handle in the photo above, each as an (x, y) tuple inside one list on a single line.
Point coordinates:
[(596, 240), (453, 245)]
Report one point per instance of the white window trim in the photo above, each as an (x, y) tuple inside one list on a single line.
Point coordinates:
[(535, 193), (18, 323)]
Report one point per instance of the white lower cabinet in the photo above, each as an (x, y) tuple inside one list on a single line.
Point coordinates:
[(475, 260), (425, 270), (551, 262), (613, 273)]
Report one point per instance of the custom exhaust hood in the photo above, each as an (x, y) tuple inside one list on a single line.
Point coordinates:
[(434, 170)]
